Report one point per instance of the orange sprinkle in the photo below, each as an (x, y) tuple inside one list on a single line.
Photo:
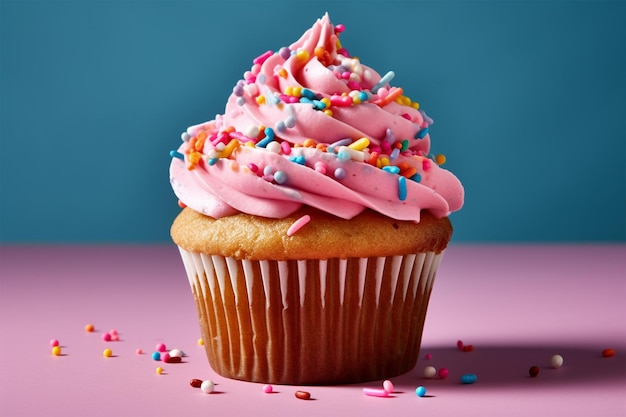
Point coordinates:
[(181, 204), (389, 97), (440, 159), (403, 166), (309, 143), (194, 159), (409, 172), (282, 73), (321, 147), (230, 129), (373, 158)]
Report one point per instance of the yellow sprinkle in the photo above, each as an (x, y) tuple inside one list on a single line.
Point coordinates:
[(328, 112), (440, 159), (289, 90), (200, 342), (309, 143), (107, 353), (326, 101), (360, 144), (195, 157), (250, 144), (260, 99), (296, 91), (303, 54), (415, 105), (230, 148), (384, 161), (56, 351), (159, 370)]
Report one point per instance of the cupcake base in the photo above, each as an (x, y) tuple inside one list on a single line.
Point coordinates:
[(312, 322)]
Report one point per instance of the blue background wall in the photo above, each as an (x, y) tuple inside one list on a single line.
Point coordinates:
[(528, 100)]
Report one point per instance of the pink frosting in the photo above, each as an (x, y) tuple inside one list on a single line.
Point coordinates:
[(310, 125)]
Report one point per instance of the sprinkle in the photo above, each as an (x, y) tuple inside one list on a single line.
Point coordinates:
[(268, 389), (394, 154), (54, 342), (284, 52), (468, 378), (360, 144), (383, 81), (139, 351), (303, 54), (440, 159), (196, 383), (213, 161), (107, 353), (56, 350), (556, 361), (159, 370), (176, 353), (268, 170), (430, 371), (303, 395), (340, 101), (388, 386), (106, 337), (402, 188), (89, 328), (273, 147), (298, 159), (176, 154), (280, 177), (185, 137), (207, 386), (156, 356), (608, 353), (421, 133), (298, 224), (320, 167), (416, 178), (428, 356), (533, 371), (420, 391), (340, 173), (375, 392), (200, 342), (392, 169), (426, 164), (290, 122), (285, 148), (443, 373)]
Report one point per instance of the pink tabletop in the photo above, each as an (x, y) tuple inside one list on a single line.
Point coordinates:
[(517, 305)]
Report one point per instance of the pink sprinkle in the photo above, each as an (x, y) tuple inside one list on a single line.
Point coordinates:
[(284, 146), (388, 386), (353, 85), (161, 347), (373, 392), (165, 356), (298, 224), (406, 116), (253, 167), (443, 373), (341, 101), (459, 344), (428, 356), (115, 337), (345, 75), (262, 58), (139, 351), (54, 343), (106, 337), (340, 28), (112, 332), (268, 389), (426, 164)]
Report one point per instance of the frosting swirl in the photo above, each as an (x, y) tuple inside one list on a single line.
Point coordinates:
[(311, 125)]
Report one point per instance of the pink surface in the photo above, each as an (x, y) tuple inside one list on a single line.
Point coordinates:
[(518, 305)]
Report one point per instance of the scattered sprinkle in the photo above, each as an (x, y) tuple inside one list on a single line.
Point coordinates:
[(468, 378), (303, 395), (298, 224), (200, 342), (160, 347), (375, 392), (159, 370), (533, 371), (420, 391), (268, 389), (443, 373), (56, 350), (196, 383), (207, 386), (107, 353), (89, 328), (430, 371), (156, 356), (388, 386), (54, 342), (556, 361), (608, 353)]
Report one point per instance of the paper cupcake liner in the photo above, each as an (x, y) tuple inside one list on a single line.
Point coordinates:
[(312, 321)]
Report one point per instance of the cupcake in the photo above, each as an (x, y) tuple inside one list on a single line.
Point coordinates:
[(314, 219)]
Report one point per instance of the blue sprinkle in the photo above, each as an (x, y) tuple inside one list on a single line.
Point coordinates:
[(319, 105), (416, 178), (384, 80), (176, 154), (420, 391), (280, 126), (340, 173), (342, 142), (363, 96), (213, 161), (392, 169), (308, 93), (468, 378), (269, 132), (263, 142), (421, 133), (156, 356), (344, 156), (306, 100), (241, 101), (280, 177), (394, 154), (401, 188), (290, 122), (268, 170), (272, 99), (299, 159), (261, 78)]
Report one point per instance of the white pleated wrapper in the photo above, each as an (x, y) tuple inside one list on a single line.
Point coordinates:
[(312, 321)]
